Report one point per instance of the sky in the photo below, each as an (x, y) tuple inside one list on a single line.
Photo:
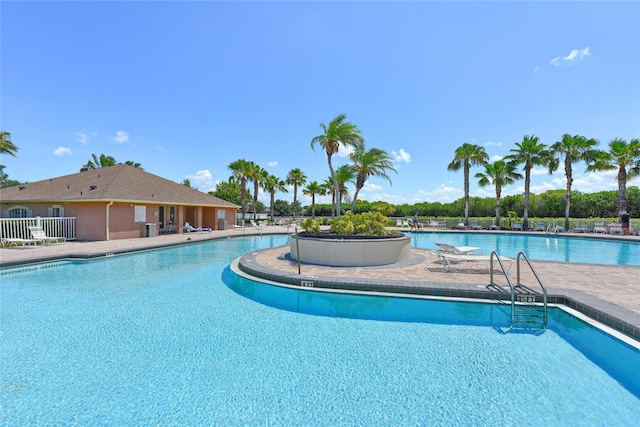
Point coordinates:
[(186, 88)]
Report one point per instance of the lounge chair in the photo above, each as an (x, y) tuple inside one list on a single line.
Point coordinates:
[(459, 250), (191, 229), (539, 227), (598, 227), (582, 229), (256, 226), (615, 228), (474, 225), (516, 226), (39, 235), (467, 262), (14, 241)]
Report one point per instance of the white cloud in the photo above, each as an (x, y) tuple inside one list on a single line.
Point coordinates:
[(82, 137), (535, 70), (401, 156), (61, 151), (344, 151), (161, 148), (495, 158), (272, 164), (121, 137), (202, 180), (539, 171), (493, 144), (573, 56)]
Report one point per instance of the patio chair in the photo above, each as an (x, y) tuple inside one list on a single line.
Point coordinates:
[(539, 227), (582, 229), (460, 250), (191, 229), (14, 241), (39, 235), (516, 226), (468, 262), (598, 227), (474, 225), (256, 226)]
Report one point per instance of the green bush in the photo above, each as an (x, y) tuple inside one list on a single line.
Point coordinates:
[(368, 223), (310, 225)]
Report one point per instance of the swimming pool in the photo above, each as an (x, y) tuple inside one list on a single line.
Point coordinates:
[(172, 336), (540, 247)]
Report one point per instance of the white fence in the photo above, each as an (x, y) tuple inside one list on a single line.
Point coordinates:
[(18, 228)]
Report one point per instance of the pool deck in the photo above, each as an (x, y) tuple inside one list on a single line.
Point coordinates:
[(607, 293)]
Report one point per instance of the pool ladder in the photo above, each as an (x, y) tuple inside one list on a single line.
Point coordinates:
[(528, 306)]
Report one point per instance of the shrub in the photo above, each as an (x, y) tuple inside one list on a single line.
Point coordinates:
[(310, 225), (368, 223)]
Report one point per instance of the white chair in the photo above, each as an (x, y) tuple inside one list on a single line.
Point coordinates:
[(598, 227), (516, 226), (39, 235), (467, 262), (459, 250)]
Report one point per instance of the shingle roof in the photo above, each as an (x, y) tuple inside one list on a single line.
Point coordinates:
[(113, 183)]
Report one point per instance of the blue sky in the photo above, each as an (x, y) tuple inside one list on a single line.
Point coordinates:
[(186, 88)]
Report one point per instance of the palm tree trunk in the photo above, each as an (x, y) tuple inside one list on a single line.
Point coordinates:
[(622, 188), (567, 196), (466, 194), (527, 184), (336, 187), (498, 193)]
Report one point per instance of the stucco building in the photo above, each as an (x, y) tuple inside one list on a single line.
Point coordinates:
[(118, 202)]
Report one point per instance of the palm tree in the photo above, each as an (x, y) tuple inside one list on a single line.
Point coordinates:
[(374, 162), (273, 184), (622, 156), (255, 174), (133, 164), (343, 175), (498, 173), (532, 153), (338, 132), (467, 155), (98, 162), (330, 189), (572, 149), (312, 189), (240, 171), (295, 177), (6, 146)]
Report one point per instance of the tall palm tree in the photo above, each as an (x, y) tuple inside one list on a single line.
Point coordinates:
[(240, 170), (366, 163), (530, 152), (330, 189), (99, 162), (295, 177), (344, 174), (312, 189), (622, 156), (255, 174), (571, 149), (273, 184), (6, 146), (465, 156), (337, 132), (498, 173)]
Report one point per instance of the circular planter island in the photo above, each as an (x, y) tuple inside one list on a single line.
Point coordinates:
[(338, 250)]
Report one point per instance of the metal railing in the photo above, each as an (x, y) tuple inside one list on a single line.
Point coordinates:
[(18, 228)]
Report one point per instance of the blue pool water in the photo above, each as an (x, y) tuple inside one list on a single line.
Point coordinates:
[(173, 337), (540, 247)]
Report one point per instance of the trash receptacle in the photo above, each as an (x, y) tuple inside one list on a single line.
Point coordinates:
[(222, 224), (149, 230)]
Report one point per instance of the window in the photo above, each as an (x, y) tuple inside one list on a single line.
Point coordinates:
[(56, 211), (19, 212)]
